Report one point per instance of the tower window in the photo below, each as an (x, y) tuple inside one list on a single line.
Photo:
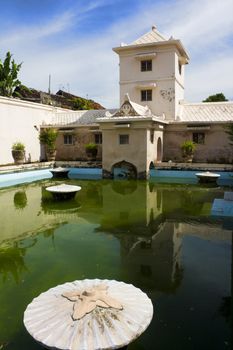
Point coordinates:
[(180, 67), (146, 66), (123, 139), (152, 136), (146, 95)]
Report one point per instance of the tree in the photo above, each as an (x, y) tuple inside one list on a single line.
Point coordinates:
[(216, 98), (80, 103), (9, 75)]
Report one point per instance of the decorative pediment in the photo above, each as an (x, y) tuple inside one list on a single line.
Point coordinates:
[(132, 109), (126, 110)]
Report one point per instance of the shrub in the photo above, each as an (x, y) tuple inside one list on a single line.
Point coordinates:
[(188, 147), (91, 146), (48, 137), (18, 146)]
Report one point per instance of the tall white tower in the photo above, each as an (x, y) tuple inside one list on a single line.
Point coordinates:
[(152, 72)]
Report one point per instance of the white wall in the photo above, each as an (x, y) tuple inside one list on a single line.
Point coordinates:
[(17, 121)]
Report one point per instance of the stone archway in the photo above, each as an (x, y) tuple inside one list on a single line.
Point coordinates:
[(159, 150), (124, 170)]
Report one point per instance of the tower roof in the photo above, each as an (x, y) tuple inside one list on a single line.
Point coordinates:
[(153, 36), (154, 39)]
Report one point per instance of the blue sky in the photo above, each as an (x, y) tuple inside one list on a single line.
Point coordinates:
[(72, 40)]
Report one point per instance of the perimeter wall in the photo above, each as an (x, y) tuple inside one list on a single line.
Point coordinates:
[(20, 121)]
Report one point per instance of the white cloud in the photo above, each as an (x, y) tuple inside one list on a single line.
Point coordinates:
[(25, 34), (58, 24), (210, 78)]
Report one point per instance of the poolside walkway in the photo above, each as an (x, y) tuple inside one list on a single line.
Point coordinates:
[(11, 168)]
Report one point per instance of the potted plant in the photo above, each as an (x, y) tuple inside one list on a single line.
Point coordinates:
[(18, 152), (48, 138), (91, 151), (188, 148)]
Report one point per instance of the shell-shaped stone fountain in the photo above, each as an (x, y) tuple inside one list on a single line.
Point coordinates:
[(88, 315)]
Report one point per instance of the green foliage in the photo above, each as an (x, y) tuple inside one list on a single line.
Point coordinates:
[(91, 150), (18, 146), (48, 137), (229, 131), (91, 146), (21, 90), (8, 75), (80, 103), (188, 147), (216, 98)]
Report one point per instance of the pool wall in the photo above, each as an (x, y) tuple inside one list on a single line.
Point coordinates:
[(164, 176), (179, 176), (17, 178)]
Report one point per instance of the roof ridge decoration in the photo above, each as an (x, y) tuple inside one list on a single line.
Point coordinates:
[(132, 109), (152, 36)]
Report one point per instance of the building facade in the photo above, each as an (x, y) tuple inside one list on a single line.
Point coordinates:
[(153, 119)]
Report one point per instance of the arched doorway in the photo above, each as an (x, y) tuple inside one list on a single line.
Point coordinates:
[(124, 170), (159, 150), (151, 166)]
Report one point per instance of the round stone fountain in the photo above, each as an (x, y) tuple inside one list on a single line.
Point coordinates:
[(60, 172), (207, 177), (63, 191)]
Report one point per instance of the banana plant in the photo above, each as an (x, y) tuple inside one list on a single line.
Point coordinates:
[(9, 75)]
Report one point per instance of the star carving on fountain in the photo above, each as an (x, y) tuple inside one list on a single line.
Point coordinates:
[(87, 300)]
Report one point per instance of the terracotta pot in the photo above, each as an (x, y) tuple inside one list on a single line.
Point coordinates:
[(51, 154), (91, 154), (19, 156), (188, 158)]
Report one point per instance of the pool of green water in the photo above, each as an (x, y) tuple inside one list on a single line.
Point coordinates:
[(161, 238)]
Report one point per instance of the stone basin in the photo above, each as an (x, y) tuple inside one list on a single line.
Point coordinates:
[(60, 172), (63, 191), (207, 177)]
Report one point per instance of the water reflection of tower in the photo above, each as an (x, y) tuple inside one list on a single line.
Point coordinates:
[(150, 245), (130, 205), (154, 261)]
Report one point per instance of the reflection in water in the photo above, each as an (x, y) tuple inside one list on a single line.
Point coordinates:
[(124, 187), (20, 200), (225, 308), (12, 262), (144, 257), (158, 237), (12, 254)]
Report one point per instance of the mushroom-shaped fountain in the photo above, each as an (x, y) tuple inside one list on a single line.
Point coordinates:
[(207, 177), (60, 172), (63, 191)]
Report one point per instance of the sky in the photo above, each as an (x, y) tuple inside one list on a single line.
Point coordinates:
[(72, 41)]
